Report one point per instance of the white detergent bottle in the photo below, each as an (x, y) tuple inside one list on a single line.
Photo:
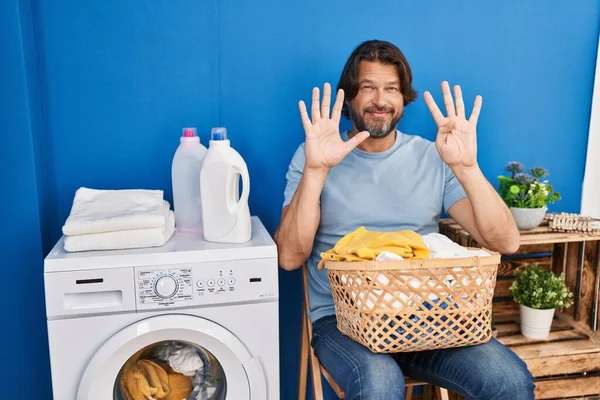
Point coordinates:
[(225, 214), (185, 176)]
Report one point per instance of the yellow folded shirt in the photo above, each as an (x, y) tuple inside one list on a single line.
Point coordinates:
[(364, 245)]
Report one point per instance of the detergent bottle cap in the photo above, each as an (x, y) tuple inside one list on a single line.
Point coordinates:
[(189, 132), (218, 133)]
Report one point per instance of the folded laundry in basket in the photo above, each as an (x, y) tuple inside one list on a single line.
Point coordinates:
[(365, 245), (97, 211), (388, 256), (125, 239), (441, 246)]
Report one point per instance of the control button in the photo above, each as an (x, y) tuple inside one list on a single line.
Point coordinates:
[(210, 282), (221, 282), (200, 283), (231, 281), (166, 286)]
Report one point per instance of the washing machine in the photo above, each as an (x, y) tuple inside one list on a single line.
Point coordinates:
[(188, 320)]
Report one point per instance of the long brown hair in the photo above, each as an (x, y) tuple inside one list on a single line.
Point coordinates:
[(380, 51)]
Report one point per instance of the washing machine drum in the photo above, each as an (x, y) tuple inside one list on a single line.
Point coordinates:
[(173, 357)]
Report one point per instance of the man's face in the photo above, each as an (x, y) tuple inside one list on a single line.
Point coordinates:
[(378, 105)]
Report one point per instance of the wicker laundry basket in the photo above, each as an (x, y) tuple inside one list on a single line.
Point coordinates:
[(415, 304)]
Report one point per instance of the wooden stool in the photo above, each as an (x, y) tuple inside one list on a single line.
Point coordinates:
[(306, 352)]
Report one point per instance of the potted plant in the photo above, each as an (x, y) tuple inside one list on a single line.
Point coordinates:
[(539, 292), (526, 195)]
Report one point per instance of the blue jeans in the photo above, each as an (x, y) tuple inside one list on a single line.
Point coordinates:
[(487, 371)]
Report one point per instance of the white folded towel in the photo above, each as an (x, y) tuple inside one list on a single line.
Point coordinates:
[(125, 239), (97, 211)]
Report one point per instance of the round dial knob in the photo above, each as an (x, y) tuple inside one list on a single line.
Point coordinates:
[(166, 286)]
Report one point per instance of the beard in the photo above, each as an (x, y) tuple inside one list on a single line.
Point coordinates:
[(379, 127)]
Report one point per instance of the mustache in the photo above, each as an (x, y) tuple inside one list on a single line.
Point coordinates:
[(379, 109)]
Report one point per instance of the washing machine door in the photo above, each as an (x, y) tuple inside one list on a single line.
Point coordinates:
[(175, 357)]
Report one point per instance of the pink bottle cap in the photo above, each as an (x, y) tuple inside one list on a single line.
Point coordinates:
[(189, 132)]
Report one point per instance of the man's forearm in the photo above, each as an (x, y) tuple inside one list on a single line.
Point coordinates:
[(296, 232), (493, 219)]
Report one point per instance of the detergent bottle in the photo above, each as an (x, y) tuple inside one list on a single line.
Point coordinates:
[(225, 213), (185, 177)]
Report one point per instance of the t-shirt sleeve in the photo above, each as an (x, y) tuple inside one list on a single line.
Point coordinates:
[(293, 175), (453, 190)]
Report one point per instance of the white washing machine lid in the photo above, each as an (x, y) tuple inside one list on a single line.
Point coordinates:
[(244, 375)]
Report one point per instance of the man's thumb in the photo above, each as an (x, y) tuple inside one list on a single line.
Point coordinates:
[(356, 140)]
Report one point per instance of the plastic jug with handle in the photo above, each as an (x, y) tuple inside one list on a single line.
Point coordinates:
[(185, 176), (225, 213)]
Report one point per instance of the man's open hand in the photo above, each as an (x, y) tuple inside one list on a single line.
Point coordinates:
[(457, 137), (324, 146)]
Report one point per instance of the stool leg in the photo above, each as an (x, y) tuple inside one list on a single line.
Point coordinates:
[(316, 375), (315, 366), (408, 392), (304, 349), (441, 393), (427, 392)]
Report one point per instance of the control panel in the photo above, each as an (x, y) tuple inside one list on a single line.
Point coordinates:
[(164, 286), (206, 283)]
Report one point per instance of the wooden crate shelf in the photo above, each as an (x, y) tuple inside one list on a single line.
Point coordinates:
[(567, 364)]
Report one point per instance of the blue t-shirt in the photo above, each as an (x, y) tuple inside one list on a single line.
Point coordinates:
[(404, 187)]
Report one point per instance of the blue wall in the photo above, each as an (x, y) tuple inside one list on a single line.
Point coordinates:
[(23, 334), (95, 94)]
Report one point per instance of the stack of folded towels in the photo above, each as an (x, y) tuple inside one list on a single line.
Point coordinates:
[(118, 219)]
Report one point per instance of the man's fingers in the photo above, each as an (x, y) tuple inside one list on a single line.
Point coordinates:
[(434, 109), (460, 104), (326, 101), (355, 141), (336, 114), (304, 116), (476, 110), (448, 102), (315, 112)]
